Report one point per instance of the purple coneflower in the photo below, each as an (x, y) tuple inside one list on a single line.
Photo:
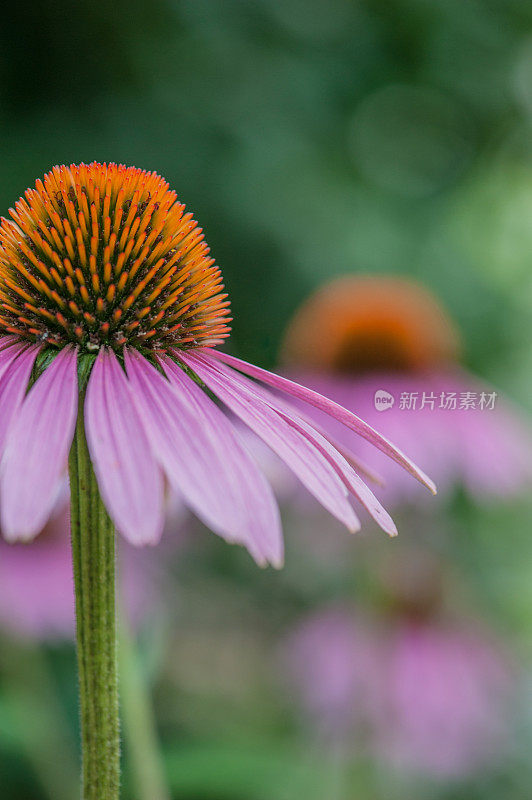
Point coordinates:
[(101, 271), (418, 689), (111, 309), (359, 338)]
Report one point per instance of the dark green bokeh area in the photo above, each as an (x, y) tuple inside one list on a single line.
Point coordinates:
[(311, 139)]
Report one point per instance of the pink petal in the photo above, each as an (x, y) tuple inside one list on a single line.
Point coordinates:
[(296, 451), (283, 404), (263, 517), (37, 448), (16, 365), (337, 461), (328, 407), (8, 353), (128, 476), (203, 460), (6, 341), (347, 473), (357, 463)]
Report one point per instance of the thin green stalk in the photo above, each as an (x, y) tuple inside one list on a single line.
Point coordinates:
[(93, 557), (140, 734)]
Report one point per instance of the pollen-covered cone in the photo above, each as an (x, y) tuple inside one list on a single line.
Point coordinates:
[(109, 298)]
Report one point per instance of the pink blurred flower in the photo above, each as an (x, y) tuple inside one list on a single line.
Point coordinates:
[(446, 698), (37, 588), (420, 696), (360, 338)]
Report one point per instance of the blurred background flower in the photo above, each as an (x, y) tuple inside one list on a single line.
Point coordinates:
[(404, 682), (37, 591), (313, 140), (384, 348)]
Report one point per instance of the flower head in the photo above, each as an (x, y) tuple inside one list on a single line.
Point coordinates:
[(102, 273), (105, 255)]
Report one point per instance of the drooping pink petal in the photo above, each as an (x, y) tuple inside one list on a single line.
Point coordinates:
[(337, 461), (353, 481), (206, 465), (128, 476), (5, 341), (356, 462), (37, 448), (8, 353), (15, 373), (262, 512), (328, 407), (296, 451), (284, 404)]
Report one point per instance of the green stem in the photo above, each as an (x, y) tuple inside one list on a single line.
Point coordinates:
[(140, 733), (93, 557)]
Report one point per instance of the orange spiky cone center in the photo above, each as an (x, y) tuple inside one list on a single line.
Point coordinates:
[(360, 323), (103, 254)]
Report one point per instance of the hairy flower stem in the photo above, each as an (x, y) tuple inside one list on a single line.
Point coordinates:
[(93, 556)]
